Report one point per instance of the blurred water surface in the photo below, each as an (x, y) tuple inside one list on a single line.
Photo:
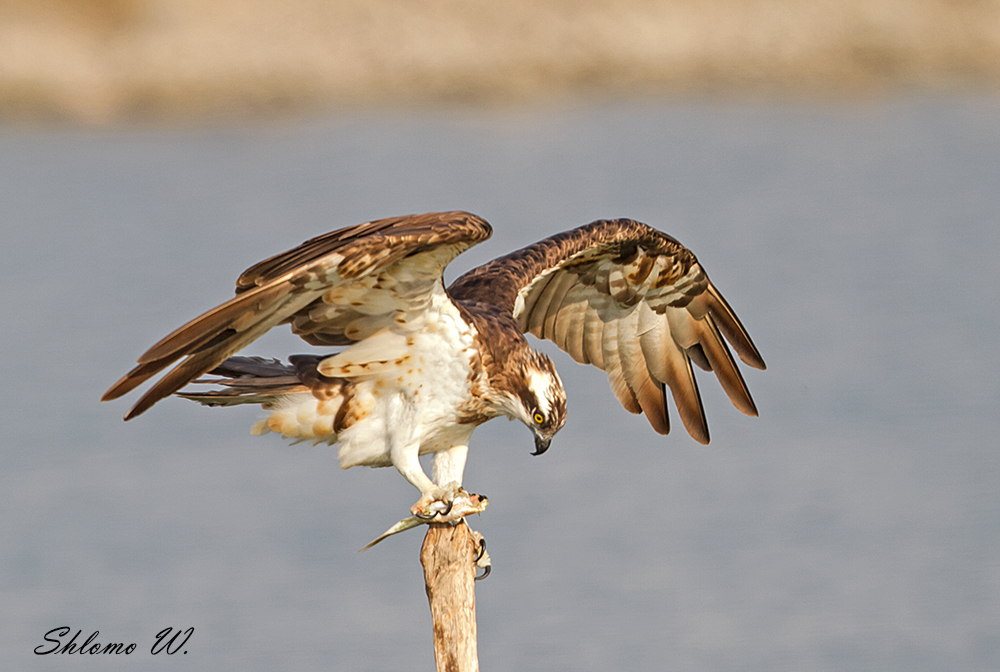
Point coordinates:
[(854, 525)]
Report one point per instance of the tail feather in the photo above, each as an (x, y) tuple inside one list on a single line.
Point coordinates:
[(247, 380)]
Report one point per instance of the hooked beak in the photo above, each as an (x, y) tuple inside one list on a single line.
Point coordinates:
[(541, 445)]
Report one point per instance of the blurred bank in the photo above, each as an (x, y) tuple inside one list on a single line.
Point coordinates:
[(103, 61)]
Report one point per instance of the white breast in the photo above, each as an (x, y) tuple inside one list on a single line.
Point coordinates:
[(404, 385)]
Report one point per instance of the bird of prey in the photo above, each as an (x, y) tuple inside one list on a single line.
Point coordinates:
[(424, 366)]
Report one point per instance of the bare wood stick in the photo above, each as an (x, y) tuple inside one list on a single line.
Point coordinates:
[(448, 557)]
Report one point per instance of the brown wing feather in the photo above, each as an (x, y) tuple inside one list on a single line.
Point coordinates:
[(733, 329), (719, 357), (352, 264), (668, 363), (617, 267)]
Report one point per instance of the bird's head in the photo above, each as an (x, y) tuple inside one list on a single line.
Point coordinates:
[(537, 397)]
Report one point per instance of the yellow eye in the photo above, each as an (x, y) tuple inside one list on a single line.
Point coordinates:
[(539, 418)]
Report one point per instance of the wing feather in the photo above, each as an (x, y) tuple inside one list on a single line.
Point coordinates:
[(558, 288), (338, 288), (733, 329), (613, 366), (722, 363), (204, 333), (539, 307), (648, 393), (669, 363), (593, 334), (630, 300), (569, 327)]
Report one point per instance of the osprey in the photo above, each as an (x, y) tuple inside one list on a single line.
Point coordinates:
[(424, 365)]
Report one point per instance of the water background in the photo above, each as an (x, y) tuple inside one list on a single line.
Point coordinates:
[(854, 526)]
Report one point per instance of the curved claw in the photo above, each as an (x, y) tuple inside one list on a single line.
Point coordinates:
[(482, 560), (482, 551), (434, 514)]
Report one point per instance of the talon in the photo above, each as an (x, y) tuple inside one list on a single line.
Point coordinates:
[(433, 505), (447, 506), (482, 560)]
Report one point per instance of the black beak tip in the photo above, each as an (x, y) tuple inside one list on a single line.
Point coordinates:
[(541, 445)]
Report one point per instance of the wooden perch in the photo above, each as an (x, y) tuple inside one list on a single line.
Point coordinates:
[(449, 560)]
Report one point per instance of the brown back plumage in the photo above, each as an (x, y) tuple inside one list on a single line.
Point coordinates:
[(630, 300)]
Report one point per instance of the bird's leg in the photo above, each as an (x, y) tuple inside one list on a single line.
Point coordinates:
[(434, 500), (449, 467), (450, 504)]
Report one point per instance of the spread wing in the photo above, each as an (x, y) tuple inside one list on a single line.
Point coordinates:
[(633, 302), (336, 289)]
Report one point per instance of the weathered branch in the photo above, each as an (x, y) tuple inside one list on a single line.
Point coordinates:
[(449, 560)]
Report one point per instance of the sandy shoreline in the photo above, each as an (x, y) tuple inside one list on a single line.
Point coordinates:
[(101, 61)]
